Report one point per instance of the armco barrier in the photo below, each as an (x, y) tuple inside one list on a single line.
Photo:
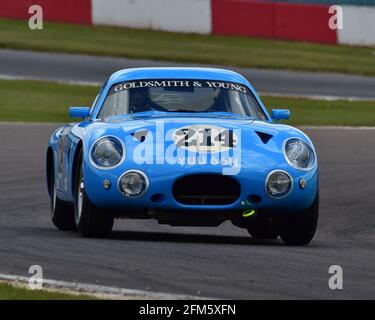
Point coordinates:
[(272, 20), (167, 15), (66, 11), (248, 18), (258, 18), (359, 26), (303, 23)]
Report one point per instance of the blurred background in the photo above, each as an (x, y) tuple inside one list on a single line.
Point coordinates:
[(301, 20)]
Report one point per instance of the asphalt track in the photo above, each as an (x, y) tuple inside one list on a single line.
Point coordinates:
[(90, 69), (215, 262)]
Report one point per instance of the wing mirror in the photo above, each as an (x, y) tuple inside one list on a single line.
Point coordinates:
[(280, 114), (79, 112)]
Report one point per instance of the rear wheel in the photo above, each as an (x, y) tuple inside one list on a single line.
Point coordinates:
[(62, 213), (90, 220), (299, 229)]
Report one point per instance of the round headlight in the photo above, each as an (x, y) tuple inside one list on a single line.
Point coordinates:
[(133, 183), (107, 152), (299, 154), (278, 184)]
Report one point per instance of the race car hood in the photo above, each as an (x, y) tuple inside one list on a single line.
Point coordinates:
[(255, 143)]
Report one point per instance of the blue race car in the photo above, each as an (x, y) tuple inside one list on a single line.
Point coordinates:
[(187, 147)]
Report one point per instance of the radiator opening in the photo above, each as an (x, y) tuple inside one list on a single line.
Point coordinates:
[(206, 189)]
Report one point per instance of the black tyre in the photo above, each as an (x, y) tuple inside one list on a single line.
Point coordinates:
[(62, 213), (299, 229), (90, 220)]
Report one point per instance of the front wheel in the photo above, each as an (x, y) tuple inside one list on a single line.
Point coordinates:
[(90, 220), (62, 213), (299, 229)]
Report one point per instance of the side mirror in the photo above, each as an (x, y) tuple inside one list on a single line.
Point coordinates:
[(280, 114), (79, 112)]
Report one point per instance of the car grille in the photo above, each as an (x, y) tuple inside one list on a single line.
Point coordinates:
[(206, 189)]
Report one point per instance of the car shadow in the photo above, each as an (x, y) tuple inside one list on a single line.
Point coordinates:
[(48, 232), (189, 238)]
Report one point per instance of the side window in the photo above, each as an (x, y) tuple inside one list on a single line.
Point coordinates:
[(115, 104)]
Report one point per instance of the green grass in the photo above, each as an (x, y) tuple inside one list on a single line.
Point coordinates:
[(325, 113), (10, 292), (39, 101), (234, 51)]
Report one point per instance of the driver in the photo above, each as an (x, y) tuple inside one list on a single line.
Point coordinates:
[(140, 101)]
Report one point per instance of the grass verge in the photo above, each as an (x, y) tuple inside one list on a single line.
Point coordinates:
[(234, 51), (17, 292), (39, 101), (325, 113)]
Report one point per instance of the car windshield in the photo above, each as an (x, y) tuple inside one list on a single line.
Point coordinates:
[(180, 96)]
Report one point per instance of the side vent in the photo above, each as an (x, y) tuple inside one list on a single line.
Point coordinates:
[(265, 137)]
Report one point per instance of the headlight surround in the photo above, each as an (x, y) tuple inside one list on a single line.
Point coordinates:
[(133, 183), (279, 184), (107, 152), (299, 154)]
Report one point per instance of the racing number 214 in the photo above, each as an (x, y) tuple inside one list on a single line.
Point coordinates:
[(205, 137)]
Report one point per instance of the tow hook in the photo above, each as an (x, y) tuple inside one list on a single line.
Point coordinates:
[(248, 212)]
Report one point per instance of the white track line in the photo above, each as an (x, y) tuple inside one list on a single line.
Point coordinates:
[(272, 94), (63, 81), (119, 293), (315, 96), (334, 128)]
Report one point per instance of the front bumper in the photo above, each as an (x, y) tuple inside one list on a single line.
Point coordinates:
[(159, 195)]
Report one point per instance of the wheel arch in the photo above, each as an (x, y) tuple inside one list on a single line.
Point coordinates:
[(74, 165)]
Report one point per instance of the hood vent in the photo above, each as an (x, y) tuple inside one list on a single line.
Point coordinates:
[(140, 135), (265, 137)]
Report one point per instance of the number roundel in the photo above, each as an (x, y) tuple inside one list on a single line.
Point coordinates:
[(205, 138)]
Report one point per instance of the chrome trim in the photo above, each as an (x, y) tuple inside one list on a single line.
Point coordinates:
[(142, 174), (80, 199), (302, 183), (308, 145), (266, 183), (54, 198), (112, 167)]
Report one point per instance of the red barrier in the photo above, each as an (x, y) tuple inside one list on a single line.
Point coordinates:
[(272, 20), (303, 22), (257, 18), (241, 17), (69, 11)]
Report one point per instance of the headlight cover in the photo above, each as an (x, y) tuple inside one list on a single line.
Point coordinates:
[(107, 152), (299, 154), (279, 184), (133, 183)]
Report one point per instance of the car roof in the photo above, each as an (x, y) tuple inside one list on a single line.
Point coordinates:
[(177, 73)]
